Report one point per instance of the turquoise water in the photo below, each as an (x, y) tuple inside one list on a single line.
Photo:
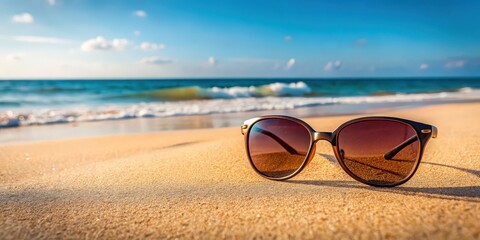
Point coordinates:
[(38, 102)]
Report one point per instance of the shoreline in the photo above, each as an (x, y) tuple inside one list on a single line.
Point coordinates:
[(160, 124), (199, 184), (57, 102)]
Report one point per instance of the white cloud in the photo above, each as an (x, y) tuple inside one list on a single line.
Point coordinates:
[(423, 66), (361, 41), (23, 18), (147, 46), (137, 33), (140, 13), (288, 38), (14, 57), (155, 60), (36, 39), (52, 2), (332, 65), (101, 44), (455, 64), (291, 62), (212, 61)]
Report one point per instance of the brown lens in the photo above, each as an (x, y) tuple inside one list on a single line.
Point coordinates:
[(379, 151), (278, 147)]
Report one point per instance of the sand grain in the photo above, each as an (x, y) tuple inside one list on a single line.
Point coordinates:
[(164, 185)]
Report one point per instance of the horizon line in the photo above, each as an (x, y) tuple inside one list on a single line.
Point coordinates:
[(233, 78)]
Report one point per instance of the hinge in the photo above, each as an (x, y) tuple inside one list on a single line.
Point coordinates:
[(426, 130), (243, 127)]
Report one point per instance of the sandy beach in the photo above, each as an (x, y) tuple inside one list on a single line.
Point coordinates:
[(198, 184)]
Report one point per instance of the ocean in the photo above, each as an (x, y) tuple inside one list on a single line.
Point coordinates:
[(41, 102)]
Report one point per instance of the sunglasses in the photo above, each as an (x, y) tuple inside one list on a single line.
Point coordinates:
[(378, 151)]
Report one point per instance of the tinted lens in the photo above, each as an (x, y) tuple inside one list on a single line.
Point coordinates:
[(379, 151), (278, 147)]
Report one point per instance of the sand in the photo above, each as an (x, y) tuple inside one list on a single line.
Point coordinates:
[(198, 184)]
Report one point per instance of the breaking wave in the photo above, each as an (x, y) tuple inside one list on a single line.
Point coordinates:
[(215, 100), (198, 93)]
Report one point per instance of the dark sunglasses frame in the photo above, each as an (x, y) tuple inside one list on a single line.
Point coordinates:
[(424, 133)]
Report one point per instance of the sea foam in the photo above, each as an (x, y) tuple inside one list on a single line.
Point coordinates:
[(196, 93), (231, 104)]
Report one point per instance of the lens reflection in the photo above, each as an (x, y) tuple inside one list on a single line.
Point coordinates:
[(278, 147), (379, 151)]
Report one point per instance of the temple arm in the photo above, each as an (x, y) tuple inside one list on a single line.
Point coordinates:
[(389, 155), (277, 139), (282, 143)]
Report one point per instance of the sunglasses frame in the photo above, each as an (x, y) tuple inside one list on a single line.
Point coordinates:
[(424, 133)]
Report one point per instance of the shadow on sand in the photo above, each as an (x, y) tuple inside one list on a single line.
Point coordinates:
[(461, 193)]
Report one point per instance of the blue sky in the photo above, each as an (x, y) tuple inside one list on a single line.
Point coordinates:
[(176, 38)]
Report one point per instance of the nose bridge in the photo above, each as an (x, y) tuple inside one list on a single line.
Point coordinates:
[(327, 136)]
